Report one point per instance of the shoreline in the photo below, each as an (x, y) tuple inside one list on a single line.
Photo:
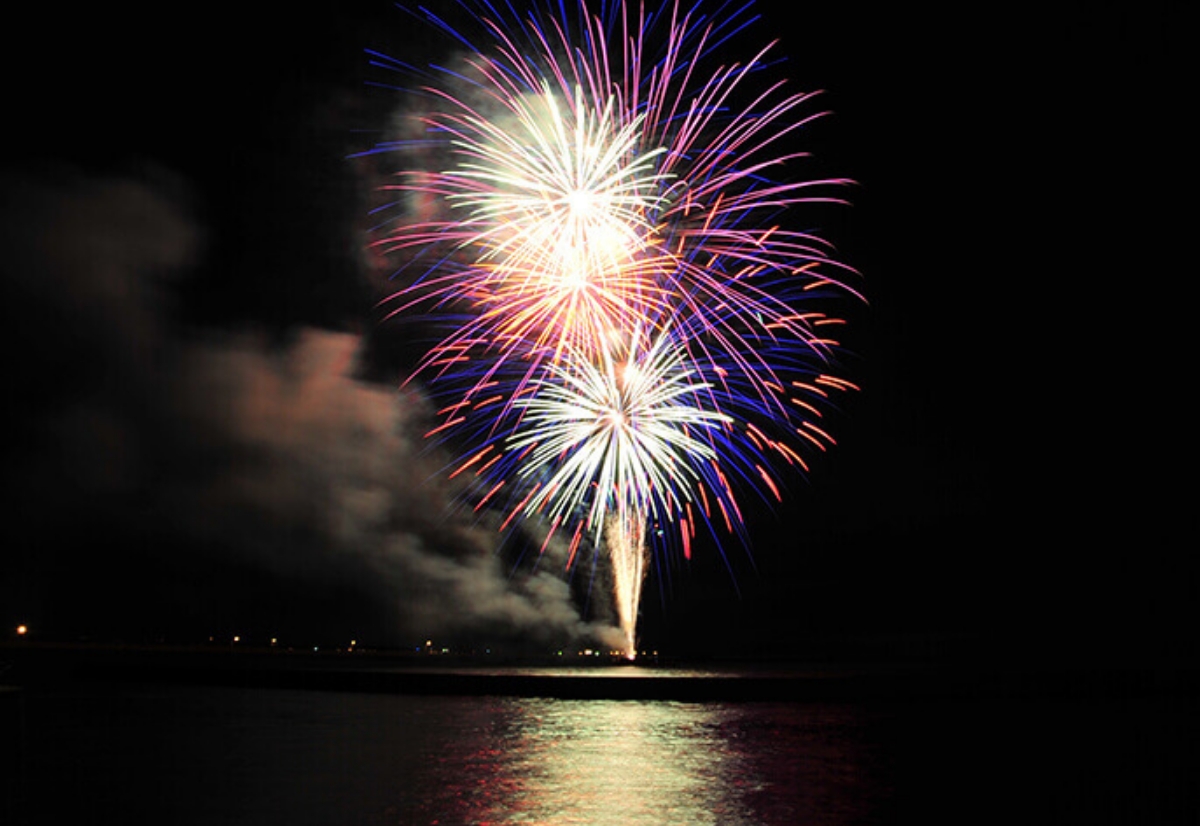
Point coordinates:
[(50, 666)]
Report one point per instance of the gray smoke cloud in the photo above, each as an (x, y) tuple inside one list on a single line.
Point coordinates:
[(275, 454)]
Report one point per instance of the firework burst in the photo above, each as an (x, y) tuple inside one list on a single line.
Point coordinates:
[(630, 322), (625, 434)]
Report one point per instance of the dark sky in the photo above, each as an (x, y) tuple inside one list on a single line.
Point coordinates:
[(206, 434)]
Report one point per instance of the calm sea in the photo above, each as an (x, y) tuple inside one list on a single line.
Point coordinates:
[(179, 754)]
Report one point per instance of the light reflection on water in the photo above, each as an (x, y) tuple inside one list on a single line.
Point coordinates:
[(546, 761), (186, 755), (671, 762), (602, 762)]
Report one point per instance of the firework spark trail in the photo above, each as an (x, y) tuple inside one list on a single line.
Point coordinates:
[(632, 331), (627, 552)]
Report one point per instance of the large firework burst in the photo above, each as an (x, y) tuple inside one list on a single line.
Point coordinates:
[(631, 321)]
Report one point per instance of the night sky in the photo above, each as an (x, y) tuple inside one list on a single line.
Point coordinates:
[(206, 435)]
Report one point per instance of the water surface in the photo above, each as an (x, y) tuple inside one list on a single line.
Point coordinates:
[(203, 755), (100, 751)]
